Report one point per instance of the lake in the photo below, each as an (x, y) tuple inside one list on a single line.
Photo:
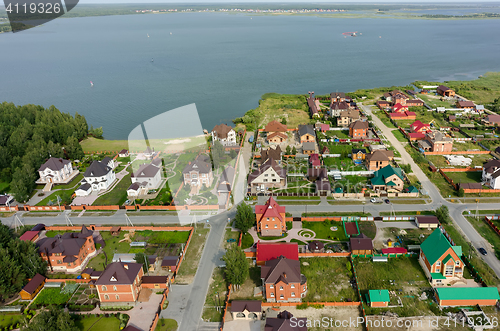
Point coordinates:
[(225, 62)]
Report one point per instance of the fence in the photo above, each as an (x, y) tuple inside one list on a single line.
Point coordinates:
[(226, 306), (457, 152), (493, 226), (359, 293), (468, 169), (123, 228), (470, 190), (448, 179), (15, 208), (183, 254), (324, 254), (157, 315)]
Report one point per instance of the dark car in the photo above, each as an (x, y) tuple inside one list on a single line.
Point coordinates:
[(482, 251), (387, 201)]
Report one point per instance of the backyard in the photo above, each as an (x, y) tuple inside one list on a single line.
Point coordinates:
[(477, 160), (117, 196), (465, 177), (97, 323), (486, 232), (323, 230)]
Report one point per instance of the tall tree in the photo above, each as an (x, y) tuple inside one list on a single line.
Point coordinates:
[(443, 214), (217, 154), (245, 217), (53, 319), (236, 266), (74, 149)]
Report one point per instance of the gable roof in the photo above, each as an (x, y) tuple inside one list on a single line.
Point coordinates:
[(341, 105), (281, 269), (34, 283), (97, 169), (493, 118), (334, 95), (381, 175), (146, 171), (352, 113), (358, 150), (29, 235), (462, 104), (304, 129), (377, 155), (379, 295), (434, 246), (67, 244), (317, 172), (417, 125), (54, 164), (270, 251), (270, 209), (154, 280), (275, 126), (467, 293), (314, 159), (361, 242), (427, 220), (359, 125), (227, 175), (119, 273), (279, 324), (222, 130), (443, 88), (270, 153), (270, 163), (277, 134), (253, 306), (123, 151)]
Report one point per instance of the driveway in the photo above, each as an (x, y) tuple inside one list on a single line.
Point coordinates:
[(240, 325), (143, 314)]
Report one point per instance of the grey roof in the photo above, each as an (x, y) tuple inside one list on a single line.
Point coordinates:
[(156, 162), (224, 188), (337, 94), (54, 164), (146, 171), (119, 273), (281, 269), (303, 129), (309, 146), (358, 150), (253, 306), (227, 175), (198, 165), (84, 187), (106, 160), (97, 169)]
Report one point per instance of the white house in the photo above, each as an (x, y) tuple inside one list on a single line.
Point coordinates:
[(491, 174), (137, 189), (147, 173), (99, 175), (269, 175), (225, 134), (123, 153), (56, 170)]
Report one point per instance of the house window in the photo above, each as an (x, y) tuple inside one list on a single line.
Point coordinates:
[(106, 297), (117, 297), (104, 288), (282, 296), (293, 294), (438, 280), (292, 285), (265, 180), (114, 288), (268, 219), (281, 288), (449, 270), (271, 286), (267, 226), (457, 263), (438, 263), (275, 226), (272, 295), (274, 179)]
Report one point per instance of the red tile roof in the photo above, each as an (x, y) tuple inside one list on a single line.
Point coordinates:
[(275, 126), (270, 209), (417, 126), (314, 160), (398, 107), (270, 251), (416, 135), (29, 235)]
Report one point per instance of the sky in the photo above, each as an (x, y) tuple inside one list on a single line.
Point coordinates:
[(286, 1)]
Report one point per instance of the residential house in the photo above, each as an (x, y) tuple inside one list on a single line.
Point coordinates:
[(157, 162), (436, 141), (155, 282), (466, 296), (323, 186), (399, 98), (98, 176), (316, 246), (30, 236), (445, 91), (149, 153), (271, 219), (378, 298), (361, 245), (120, 283), (399, 108), (403, 115), (282, 280), (426, 222), (337, 97), (170, 263), (378, 159), (337, 108), (325, 150), (491, 120), (57, 171), (465, 104), (198, 172), (313, 174), (314, 160), (420, 127), (226, 180), (358, 155), (347, 117), (358, 130), (149, 174), (309, 148), (270, 153), (6, 199), (137, 189), (424, 92), (306, 133), (123, 153), (269, 175), (276, 132), (313, 105), (277, 138), (381, 104), (440, 260), (34, 286), (284, 322), (388, 179), (267, 251), (225, 134), (414, 103), (491, 174), (246, 310), (68, 252), (452, 118)]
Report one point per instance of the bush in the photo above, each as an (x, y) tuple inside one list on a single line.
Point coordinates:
[(301, 306)]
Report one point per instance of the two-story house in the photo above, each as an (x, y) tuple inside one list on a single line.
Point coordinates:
[(225, 134), (378, 159), (56, 171), (491, 174), (119, 283), (282, 280), (347, 117), (436, 141), (420, 127), (98, 176), (198, 172), (440, 260), (388, 179), (276, 132), (270, 153), (271, 218), (68, 252), (269, 175), (445, 91), (358, 130), (306, 134), (147, 174)]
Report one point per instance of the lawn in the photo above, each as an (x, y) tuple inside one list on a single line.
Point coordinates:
[(351, 184), (386, 120), (336, 213), (298, 198), (92, 323), (4, 187), (71, 184), (399, 136), (189, 265), (117, 196), (6, 320), (408, 213), (166, 324), (246, 241), (403, 275), (340, 163), (102, 145), (328, 279), (216, 296), (434, 101), (368, 228), (51, 296), (112, 246), (245, 292), (323, 231), (465, 177), (164, 237)]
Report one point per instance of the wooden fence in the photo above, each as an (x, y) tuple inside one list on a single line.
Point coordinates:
[(448, 179)]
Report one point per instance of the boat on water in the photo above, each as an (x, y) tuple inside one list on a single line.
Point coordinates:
[(152, 60), (91, 84), (148, 35)]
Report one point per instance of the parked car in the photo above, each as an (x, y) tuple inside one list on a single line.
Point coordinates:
[(231, 240), (483, 251), (387, 201), (374, 200)]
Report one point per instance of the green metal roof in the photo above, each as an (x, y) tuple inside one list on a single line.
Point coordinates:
[(412, 189), (377, 181), (339, 190), (379, 295), (386, 172), (457, 250), (435, 246), (437, 275), (391, 183), (465, 293), (447, 258)]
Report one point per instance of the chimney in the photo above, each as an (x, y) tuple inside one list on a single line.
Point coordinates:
[(284, 275), (125, 266)]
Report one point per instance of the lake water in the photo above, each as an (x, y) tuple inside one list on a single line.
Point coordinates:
[(225, 62)]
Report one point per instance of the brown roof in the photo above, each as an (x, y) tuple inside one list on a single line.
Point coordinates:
[(119, 273), (361, 242), (169, 261), (493, 118), (315, 245), (491, 166), (323, 185), (270, 153), (354, 114), (67, 244), (463, 104), (254, 306), (275, 126), (427, 220), (317, 172), (377, 156), (334, 95), (34, 283), (154, 279), (131, 328), (443, 88), (222, 130), (279, 324), (340, 105), (281, 269), (359, 125), (270, 163), (279, 134), (472, 186)]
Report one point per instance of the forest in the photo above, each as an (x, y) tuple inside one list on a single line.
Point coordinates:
[(29, 135)]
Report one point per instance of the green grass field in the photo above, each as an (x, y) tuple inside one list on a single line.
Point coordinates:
[(92, 144), (246, 241), (92, 323), (486, 232), (399, 136), (323, 231), (6, 320), (51, 296), (4, 187), (118, 194), (166, 324), (465, 177)]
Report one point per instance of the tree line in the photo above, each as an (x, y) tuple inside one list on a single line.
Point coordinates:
[(29, 135), (19, 260)]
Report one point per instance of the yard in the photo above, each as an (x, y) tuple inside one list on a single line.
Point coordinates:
[(434, 101), (465, 177), (339, 163), (350, 184), (50, 296), (112, 246), (328, 279), (323, 230), (186, 272), (245, 292), (246, 241), (8, 319), (368, 228), (399, 136), (118, 194), (477, 160), (402, 275), (101, 145), (93, 323), (487, 233)]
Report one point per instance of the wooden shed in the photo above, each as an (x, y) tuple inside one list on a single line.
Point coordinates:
[(33, 287)]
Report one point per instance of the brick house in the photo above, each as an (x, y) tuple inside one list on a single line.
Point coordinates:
[(271, 219), (269, 175), (282, 280), (440, 260), (399, 108), (225, 134), (308, 148), (313, 104), (378, 159), (445, 91), (414, 103), (286, 322), (436, 141), (382, 104), (420, 127), (347, 117), (337, 97), (387, 179), (306, 133), (358, 129), (270, 153), (274, 127), (120, 283), (68, 252), (198, 172)]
